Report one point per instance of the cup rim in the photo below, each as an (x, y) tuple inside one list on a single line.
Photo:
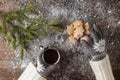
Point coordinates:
[(57, 53)]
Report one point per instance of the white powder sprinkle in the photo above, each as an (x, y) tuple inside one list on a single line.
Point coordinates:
[(109, 11)]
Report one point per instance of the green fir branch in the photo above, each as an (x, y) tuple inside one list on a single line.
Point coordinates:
[(19, 34)]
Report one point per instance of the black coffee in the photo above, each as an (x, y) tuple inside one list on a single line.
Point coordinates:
[(51, 56)]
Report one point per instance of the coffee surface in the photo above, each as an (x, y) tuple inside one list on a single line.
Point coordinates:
[(50, 56)]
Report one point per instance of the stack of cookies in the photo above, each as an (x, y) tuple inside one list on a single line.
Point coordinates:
[(78, 31)]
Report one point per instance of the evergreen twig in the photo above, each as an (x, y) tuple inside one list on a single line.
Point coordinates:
[(18, 34)]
